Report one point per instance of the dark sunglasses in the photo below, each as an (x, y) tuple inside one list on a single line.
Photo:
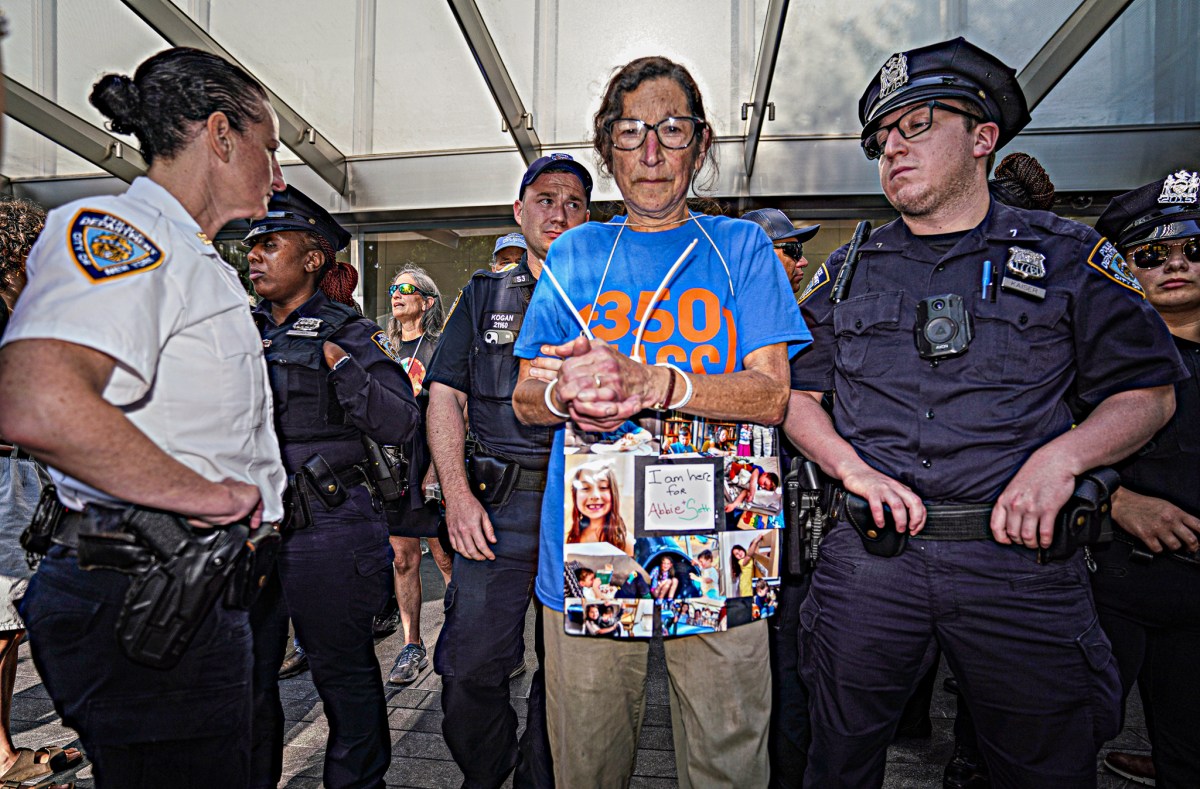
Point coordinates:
[(793, 249), (407, 289), (1153, 255)]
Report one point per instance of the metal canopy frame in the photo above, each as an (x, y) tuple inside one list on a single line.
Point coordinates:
[(313, 148), (768, 54), (517, 118), (72, 132), (1068, 44)]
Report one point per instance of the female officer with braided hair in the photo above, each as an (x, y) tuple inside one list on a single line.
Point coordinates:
[(335, 379)]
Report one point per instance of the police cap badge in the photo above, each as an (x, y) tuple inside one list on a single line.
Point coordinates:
[(1158, 211), (955, 69)]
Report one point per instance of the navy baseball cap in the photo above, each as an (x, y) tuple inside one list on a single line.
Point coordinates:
[(778, 226), (955, 69), (557, 162), (291, 209), (510, 240), (1161, 210)]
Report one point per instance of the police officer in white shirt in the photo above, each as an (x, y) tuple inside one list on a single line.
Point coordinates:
[(133, 369)]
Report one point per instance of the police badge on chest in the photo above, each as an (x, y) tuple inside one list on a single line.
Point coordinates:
[(305, 327)]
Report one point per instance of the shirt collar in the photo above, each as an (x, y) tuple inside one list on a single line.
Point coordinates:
[(1002, 224), (308, 309), (153, 194)]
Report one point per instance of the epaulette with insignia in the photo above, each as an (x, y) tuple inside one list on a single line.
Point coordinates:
[(107, 247), (380, 338), (819, 279), (1108, 261)]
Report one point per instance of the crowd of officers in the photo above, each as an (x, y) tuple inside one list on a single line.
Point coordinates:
[(133, 369)]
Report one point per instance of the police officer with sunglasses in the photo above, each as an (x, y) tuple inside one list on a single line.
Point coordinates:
[(1147, 583), (787, 240)]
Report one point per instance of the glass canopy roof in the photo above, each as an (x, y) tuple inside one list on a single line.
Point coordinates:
[(423, 113)]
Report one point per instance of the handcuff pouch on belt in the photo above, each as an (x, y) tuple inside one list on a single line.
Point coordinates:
[(1086, 519), (492, 479), (883, 541), (38, 537)]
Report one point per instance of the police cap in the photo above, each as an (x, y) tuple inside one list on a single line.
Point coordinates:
[(557, 162), (955, 69), (1161, 210), (291, 209), (778, 226)]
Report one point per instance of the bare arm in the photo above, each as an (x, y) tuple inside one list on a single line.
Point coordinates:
[(601, 387), (466, 520), (1025, 512), (811, 430), (51, 404), (1156, 522)]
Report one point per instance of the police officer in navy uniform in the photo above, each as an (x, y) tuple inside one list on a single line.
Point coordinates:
[(1147, 582), (493, 527), (335, 380), (966, 438)]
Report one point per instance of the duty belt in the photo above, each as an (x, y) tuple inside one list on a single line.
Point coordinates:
[(957, 522), (528, 479)]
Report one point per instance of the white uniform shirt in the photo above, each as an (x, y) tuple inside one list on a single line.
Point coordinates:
[(133, 277)]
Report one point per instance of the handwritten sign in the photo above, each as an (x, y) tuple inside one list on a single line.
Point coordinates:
[(679, 495)]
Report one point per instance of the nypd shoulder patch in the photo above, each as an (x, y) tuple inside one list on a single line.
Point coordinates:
[(1108, 261), (107, 247), (819, 279), (381, 339)]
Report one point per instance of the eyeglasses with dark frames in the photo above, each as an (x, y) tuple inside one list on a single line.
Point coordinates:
[(407, 289), (629, 134), (793, 249), (911, 124), (1156, 253)]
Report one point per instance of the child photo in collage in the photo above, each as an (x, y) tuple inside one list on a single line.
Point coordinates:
[(599, 501)]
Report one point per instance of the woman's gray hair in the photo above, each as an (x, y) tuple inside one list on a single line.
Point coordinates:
[(434, 317)]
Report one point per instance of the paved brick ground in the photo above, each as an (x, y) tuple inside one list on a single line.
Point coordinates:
[(420, 757)]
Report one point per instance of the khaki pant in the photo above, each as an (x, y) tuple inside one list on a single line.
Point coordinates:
[(720, 691)]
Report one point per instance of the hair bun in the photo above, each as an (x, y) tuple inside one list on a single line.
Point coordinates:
[(1025, 175), (118, 98)]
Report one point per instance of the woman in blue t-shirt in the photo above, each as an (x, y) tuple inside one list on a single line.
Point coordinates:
[(687, 311)]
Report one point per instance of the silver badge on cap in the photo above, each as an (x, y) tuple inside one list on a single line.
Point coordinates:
[(1180, 188), (893, 75), (1026, 263)]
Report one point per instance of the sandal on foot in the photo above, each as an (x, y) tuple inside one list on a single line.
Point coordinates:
[(33, 767)]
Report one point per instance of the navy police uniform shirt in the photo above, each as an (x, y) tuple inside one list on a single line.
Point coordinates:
[(475, 356), (1168, 467), (1069, 324), (323, 410)]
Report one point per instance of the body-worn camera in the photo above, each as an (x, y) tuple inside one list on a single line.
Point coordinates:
[(943, 327)]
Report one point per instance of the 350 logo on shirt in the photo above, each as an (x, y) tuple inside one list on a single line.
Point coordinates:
[(703, 330)]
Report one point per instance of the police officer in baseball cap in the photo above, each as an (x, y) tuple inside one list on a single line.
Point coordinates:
[(963, 454), (1147, 584), (513, 248), (787, 239)]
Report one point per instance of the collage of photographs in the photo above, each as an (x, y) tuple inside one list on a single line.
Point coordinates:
[(678, 519)]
